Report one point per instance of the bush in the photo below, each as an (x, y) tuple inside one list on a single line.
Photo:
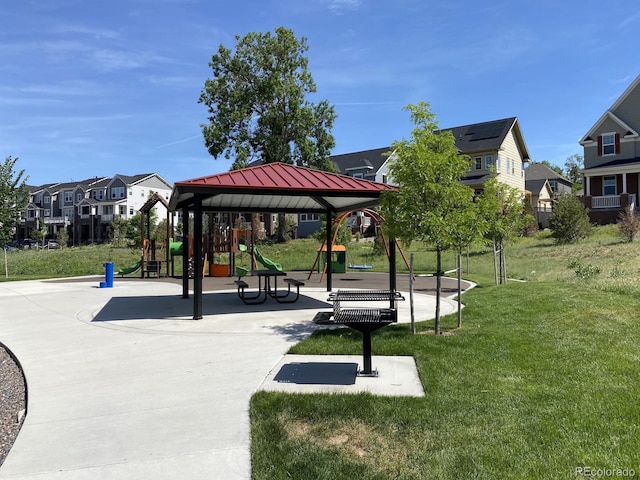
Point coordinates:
[(628, 224), (569, 221)]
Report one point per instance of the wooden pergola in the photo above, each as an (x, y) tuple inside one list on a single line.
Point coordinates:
[(270, 188)]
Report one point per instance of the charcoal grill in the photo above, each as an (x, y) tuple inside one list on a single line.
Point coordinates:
[(364, 319)]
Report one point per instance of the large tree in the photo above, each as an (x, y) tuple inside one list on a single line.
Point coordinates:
[(573, 165), (14, 196), (258, 106), (431, 205)]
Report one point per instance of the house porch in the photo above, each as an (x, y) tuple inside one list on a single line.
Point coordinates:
[(606, 196)]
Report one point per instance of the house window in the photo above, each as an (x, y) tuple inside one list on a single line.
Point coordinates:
[(358, 175), (142, 193), (123, 210), (498, 163), (78, 197), (609, 185), (552, 184), (68, 197), (477, 163), (309, 217), (47, 199), (488, 162), (130, 210), (508, 165), (47, 212), (608, 144), (117, 192), (384, 179)]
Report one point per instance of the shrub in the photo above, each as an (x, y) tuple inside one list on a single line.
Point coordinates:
[(569, 221), (587, 271), (628, 224)]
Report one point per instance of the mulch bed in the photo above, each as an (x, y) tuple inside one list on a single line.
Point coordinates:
[(13, 401)]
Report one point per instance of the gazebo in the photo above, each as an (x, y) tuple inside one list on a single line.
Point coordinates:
[(271, 187)]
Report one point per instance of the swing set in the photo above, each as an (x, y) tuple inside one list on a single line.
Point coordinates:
[(377, 219)]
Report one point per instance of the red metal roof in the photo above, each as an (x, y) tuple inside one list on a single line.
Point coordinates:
[(282, 176), (278, 187)]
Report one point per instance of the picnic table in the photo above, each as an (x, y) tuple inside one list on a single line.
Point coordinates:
[(268, 287)]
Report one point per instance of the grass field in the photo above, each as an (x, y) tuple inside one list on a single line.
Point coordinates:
[(540, 382)]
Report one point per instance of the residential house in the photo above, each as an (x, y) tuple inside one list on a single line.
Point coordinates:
[(492, 146), (368, 165), (496, 145), (87, 208), (543, 185), (611, 170)]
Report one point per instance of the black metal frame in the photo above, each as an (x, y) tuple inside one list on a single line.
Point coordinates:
[(365, 320)]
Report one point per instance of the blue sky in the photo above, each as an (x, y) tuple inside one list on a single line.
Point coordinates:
[(98, 88)]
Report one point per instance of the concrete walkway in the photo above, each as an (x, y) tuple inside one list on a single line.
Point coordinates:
[(123, 384)]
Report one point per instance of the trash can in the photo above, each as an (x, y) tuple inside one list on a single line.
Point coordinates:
[(108, 275)]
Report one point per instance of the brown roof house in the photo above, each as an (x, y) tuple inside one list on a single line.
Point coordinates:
[(612, 159), (496, 144)]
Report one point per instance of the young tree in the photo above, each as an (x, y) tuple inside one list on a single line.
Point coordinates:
[(502, 209), (431, 204), (14, 196), (62, 237), (628, 224), (569, 221), (258, 108)]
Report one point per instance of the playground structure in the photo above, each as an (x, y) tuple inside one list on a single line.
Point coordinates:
[(377, 220), (220, 247)]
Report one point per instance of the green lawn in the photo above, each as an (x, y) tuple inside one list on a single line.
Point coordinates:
[(542, 379), (529, 388)]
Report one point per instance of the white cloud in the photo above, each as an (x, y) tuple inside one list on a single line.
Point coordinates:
[(337, 6)]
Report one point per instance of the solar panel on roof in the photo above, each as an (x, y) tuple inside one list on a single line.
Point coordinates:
[(486, 132)]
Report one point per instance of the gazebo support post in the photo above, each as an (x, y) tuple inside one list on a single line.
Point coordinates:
[(328, 243), (185, 252), (392, 270), (197, 258)]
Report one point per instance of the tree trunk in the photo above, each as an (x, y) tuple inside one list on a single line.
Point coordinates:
[(282, 228), (459, 265), (438, 288), (255, 227), (504, 262), (495, 263)]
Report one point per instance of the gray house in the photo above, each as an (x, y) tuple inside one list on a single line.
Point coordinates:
[(612, 159), (86, 208)]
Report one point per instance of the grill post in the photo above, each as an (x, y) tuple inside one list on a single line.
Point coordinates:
[(366, 352)]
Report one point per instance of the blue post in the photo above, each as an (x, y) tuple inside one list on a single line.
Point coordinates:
[(108, 275)]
